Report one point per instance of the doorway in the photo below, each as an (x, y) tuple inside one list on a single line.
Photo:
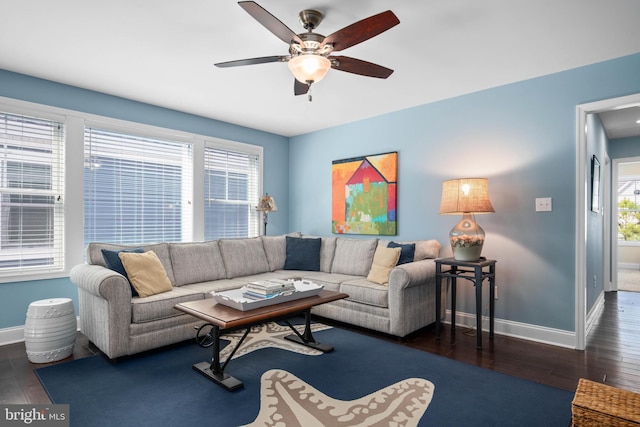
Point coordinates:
[(583, 207), (626, 213)]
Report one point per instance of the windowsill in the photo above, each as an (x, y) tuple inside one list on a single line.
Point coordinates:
[(33, 277), (629, 243)]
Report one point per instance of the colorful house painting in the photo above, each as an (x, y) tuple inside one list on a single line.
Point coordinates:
[(365, 194)]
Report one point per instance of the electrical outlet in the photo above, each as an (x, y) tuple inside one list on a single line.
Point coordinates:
[(595, 281), (495, 292), (543, 204)]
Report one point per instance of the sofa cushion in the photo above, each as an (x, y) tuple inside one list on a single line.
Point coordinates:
[(243, 257), (366, 292), (160, 306), (384, 260), (353, 256), (407, 251), (275, 248), (426, 249), (303, 254), (196, 262), (114, 263), (327, 252), (146, 273)]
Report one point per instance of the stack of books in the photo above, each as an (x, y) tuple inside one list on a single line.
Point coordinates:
[(264, 289)]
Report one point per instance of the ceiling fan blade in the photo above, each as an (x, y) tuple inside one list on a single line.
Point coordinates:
[(300, 88), (358, 66), (252, 61), (270, 22), (361, 30)]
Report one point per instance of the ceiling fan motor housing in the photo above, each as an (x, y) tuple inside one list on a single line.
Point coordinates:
[(310, 19), (312, 44)]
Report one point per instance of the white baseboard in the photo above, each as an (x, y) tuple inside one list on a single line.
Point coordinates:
[(525, 331), (16, 334), (629, 265), (11, 335), (594, 313)]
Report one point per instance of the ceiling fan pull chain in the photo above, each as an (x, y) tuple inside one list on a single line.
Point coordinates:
[(309, 95)]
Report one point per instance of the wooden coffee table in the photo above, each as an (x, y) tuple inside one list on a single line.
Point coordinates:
[(223, 319)]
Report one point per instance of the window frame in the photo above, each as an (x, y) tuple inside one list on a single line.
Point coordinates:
[(75, 122), (58, 189), (250, 150), (626, 178), (187, 208)]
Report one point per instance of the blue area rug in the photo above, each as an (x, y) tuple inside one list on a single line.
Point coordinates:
[(161, 389)]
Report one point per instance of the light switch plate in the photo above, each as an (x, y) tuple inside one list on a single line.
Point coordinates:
[(543, 204)]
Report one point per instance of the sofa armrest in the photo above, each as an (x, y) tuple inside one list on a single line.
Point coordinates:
[(104, 299), (101, 282), (412, 290), (415, 273)]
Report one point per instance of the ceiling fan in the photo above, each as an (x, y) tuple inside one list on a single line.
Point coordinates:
[(309, 56)]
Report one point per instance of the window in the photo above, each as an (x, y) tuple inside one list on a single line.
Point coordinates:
[(137, 189), (31, 195), (231, 194), (629, 209)]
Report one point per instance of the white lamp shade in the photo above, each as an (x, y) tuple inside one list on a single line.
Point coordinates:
[(309, 68)]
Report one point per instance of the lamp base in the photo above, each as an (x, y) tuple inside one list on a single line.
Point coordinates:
[(467, 239), (467, 254)]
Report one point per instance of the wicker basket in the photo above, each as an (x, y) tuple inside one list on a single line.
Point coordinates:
[(596, 404)]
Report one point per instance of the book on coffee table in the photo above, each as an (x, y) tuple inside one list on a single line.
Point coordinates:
[(270, 287), (236, 298)]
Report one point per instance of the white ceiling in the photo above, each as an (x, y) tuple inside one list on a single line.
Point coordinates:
[(621, 123), (162, 52)]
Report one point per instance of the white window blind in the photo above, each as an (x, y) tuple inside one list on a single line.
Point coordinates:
[(138, 189), (31, 195), (231, 193)]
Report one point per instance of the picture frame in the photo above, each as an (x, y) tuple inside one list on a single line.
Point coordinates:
[(364, 195), (595, 184)]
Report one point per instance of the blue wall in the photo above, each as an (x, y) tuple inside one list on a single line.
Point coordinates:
[(624, 147), (597, 144), (521, 136), (15, 297)]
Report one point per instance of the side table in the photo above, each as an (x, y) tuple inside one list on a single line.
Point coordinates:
[(50, 330), (476, 272)]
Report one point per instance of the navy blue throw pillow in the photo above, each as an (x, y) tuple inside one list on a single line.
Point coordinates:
[(407, 251), (303, 254), (114, 263)]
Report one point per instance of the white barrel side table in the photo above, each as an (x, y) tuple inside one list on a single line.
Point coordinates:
[(50, 330)]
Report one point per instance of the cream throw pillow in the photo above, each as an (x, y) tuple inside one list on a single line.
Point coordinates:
[(383, 262), (146, 273)]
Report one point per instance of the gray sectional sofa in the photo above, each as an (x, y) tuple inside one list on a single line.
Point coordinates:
[(121, 324)]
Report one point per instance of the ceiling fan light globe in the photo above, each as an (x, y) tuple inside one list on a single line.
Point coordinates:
[(309, 68)]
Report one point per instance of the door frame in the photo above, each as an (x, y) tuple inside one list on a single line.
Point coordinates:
[(582, 186)]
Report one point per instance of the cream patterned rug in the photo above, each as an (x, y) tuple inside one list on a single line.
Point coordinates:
[(284, 396), (266, 335)]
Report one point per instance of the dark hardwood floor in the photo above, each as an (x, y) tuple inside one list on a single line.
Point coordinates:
[(612, 355)]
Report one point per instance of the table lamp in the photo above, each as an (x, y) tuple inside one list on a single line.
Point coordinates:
[(466, 196), (266, 205)]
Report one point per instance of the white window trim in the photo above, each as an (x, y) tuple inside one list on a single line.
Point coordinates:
[(75, 122), (616, 211)]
